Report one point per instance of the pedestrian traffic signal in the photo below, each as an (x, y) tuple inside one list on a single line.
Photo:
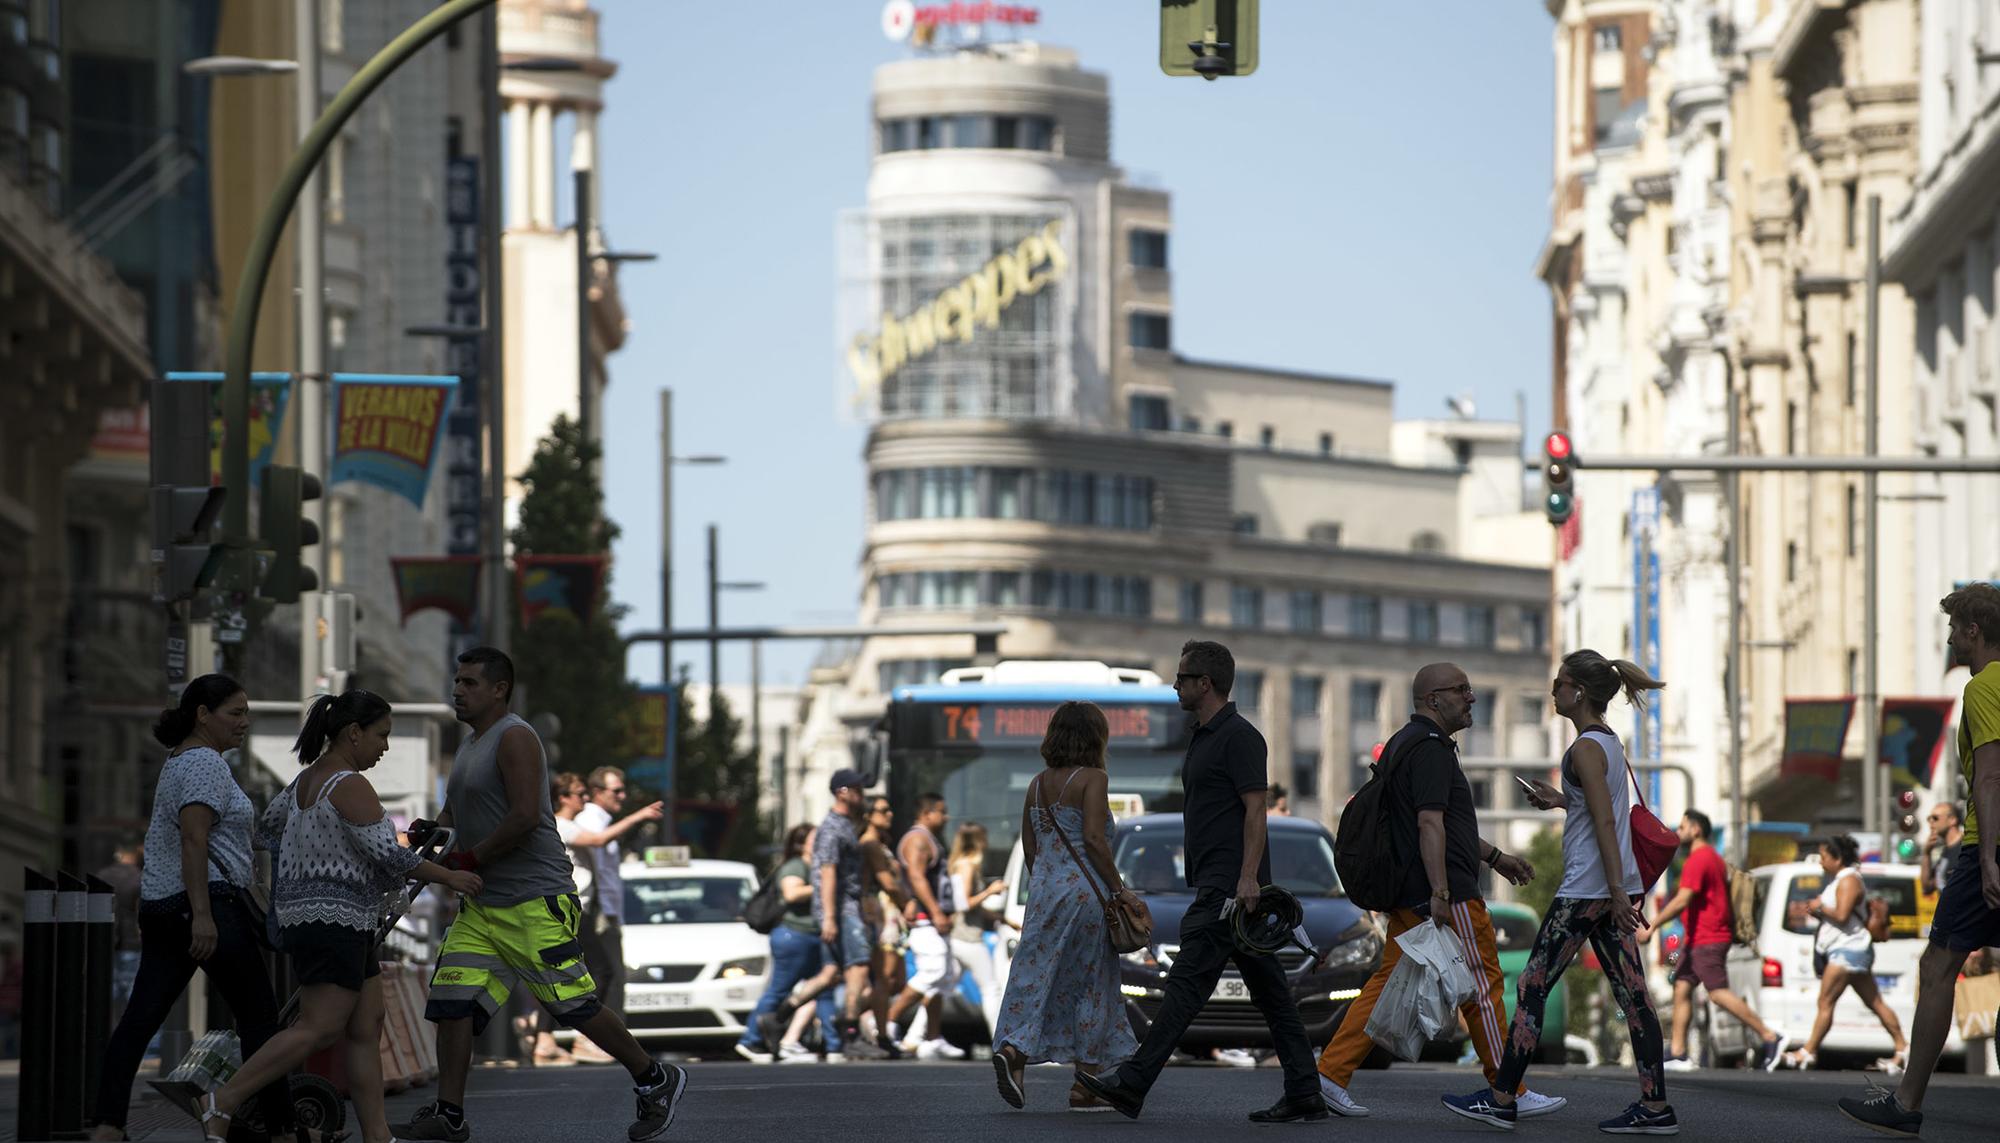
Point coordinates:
[(185, 502), (283, 530), (1208, 38), (1558, 478)]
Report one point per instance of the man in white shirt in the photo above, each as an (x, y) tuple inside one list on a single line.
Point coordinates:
[(596, 840)]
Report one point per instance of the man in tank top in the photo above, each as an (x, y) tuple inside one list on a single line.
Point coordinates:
[(522, 927)]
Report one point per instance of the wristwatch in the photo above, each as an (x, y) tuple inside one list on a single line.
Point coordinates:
[(1493, 856)]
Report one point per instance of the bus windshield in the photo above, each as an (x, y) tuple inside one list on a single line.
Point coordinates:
[(982, 755)]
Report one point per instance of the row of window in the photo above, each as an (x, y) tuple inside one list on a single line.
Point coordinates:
[(1305, 610), (988, 132), (1052, 496), (893, 673), (1047, 589)]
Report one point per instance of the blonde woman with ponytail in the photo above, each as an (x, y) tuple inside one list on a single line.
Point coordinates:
[(1598, 900)]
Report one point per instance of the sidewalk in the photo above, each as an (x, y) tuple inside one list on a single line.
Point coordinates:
[(151, 1117)]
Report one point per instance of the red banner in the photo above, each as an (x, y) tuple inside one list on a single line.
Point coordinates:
[(448, 583), (560, 585), (1815, 735)]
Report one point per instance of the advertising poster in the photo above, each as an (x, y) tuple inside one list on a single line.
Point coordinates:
[(560, 585), (387, 429), (1913, 737)]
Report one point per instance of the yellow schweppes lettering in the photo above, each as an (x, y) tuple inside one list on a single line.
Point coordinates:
[(960, 311)]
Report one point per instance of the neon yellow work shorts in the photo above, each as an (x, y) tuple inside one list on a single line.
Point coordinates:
[(491, 948)]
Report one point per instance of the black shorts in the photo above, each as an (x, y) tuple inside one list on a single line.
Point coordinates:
[(1964, 921), (332, 954)]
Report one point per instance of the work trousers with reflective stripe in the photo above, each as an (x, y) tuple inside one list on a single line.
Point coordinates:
[(490, 948), (1485, 1014)]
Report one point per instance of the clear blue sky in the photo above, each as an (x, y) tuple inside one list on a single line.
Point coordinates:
[(1370, 202)]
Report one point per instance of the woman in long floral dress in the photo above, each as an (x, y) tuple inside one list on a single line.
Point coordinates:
[(1062, 1003)]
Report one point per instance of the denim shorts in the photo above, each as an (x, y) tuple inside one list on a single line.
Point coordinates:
[(1853, 960), (856, 941)]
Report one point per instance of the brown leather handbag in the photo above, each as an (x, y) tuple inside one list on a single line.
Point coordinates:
[(1127, 920)]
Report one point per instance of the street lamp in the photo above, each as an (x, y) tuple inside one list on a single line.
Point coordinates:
[(229, 66)]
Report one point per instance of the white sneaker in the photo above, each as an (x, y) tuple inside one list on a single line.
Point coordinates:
[(1235, 1058), (1529, 1104), (1679, 1064), (939, 1049), (1338, 1101), (754, 1055), (795, 1053)]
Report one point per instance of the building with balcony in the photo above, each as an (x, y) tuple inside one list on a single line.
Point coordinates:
[(1040, 454)]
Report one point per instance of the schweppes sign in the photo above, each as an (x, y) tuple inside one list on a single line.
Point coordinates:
[(961, 311)]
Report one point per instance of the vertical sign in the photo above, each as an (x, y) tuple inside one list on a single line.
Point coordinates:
[(1646, 613), (463, 356)]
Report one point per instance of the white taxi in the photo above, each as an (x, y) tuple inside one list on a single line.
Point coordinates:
[(694, 968)]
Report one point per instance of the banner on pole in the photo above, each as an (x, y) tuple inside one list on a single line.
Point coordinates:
[(270, 396), (447, 583), (1912, 737), (387, 429), (560, 585), (1815, 734)]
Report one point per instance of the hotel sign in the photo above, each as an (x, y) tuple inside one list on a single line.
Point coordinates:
[(958, 313)]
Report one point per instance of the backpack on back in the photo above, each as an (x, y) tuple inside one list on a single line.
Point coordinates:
[(765, 909), (1364, 851), (1742, 905)]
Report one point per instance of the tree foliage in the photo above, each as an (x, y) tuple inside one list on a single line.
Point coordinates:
[(574, 670)]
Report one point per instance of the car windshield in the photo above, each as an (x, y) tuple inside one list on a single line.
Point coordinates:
[(1898, 889), (685, 900), (1513, 931), (1152, 860)]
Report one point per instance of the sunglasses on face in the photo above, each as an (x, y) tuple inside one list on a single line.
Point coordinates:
[(1461, 689)]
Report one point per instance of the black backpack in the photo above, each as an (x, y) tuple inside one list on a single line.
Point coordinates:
[(766, 907), (1364, 851)]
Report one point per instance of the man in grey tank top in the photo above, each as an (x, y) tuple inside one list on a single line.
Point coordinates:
[(522, 927)]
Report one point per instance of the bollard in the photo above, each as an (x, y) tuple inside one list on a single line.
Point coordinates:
[(31, 1114), (101, 925), (66, 1035)]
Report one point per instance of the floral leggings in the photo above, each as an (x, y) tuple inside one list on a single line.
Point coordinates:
[(1571, 921)]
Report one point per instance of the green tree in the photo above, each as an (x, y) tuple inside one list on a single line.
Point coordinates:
[(573, 669)]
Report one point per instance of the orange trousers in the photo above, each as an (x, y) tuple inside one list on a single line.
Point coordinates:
[(1485, 1014)]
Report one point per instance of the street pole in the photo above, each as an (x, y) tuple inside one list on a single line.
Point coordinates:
[(583, 276), (1739, 814), (1871, 785), (493, 403), (1641, 580), (311, 395), (714, 622), (757, 707), (667, 534)]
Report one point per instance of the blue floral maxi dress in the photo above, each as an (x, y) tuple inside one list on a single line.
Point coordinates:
[(1062, 1002)]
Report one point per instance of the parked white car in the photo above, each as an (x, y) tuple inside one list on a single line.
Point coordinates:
[(694, 968), (1788, 993)]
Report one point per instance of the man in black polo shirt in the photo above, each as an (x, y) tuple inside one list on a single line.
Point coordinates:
[(1227, 866)]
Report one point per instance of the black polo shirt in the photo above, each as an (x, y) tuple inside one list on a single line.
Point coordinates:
[(1428, 777), (1225, 760)]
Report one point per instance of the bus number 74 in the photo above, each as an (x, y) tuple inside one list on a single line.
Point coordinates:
[(961, 722)]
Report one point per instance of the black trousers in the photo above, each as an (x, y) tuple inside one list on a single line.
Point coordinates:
[(604, 954), (1208, 944), (165, 968)]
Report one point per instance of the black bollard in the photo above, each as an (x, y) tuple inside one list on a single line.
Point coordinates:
[(66, 1036), (102, 926), (38, 953)]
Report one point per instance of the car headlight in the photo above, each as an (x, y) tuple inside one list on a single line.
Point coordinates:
[(1359, 945), (748, 966)]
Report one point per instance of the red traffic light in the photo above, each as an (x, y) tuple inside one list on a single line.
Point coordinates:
[(1557, 446), (1907, 800)]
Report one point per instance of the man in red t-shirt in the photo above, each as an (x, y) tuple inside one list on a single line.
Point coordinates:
[(1704, 897)]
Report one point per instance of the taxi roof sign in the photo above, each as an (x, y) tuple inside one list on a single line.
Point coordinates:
[(669, 855)]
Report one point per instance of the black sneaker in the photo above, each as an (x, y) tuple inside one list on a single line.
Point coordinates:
[(1636, 1120), (1879, 1111), (1480, 1106), (657, 1104), (430, 1123)]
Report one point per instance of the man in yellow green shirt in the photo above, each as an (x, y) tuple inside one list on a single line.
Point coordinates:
[(1968, 912)]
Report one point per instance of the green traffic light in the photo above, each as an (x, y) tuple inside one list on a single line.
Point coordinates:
[(1906, 848), (1559, 506)]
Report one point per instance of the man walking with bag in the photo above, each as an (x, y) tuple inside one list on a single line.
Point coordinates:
[(1227, 866), (1434, 840)]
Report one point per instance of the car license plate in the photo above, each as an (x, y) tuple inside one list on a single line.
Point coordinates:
[(1886, 983), (1232, 990), (639, 1000)]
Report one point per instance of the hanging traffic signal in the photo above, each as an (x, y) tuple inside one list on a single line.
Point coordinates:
[(185, 502), (1558, 478), (283, 530)]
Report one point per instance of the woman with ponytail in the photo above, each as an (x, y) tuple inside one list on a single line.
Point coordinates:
[(192, 911), (1598, 900), (338, 860)]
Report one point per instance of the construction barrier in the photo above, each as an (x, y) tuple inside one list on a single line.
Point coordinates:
[(65, 1002)]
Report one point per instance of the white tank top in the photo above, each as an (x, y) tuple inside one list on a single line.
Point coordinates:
[(1583, 864), (1832, 934)]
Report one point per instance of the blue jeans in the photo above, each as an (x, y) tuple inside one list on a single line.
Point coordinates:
[(794, 957)]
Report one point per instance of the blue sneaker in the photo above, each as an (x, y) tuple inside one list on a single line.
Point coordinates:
[(1479, 1105), (1636, 1120)]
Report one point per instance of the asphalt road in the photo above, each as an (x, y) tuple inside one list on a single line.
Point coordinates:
[(955, 1103)]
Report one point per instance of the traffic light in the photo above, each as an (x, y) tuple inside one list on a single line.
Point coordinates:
[(185, 502), (1558, 478), (1208, 38), (282, 530)]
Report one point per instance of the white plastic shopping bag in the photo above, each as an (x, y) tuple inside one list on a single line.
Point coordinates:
[(1394, 1022), (1423, 994)]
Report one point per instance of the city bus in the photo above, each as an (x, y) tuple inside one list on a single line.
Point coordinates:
[(975, 737)]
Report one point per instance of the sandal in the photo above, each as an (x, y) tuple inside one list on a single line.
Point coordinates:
[(1801, 1060), (210, 1114), (1008, 1076)]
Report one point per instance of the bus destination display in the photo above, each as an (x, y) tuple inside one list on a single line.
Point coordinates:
[(1014, 724)]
